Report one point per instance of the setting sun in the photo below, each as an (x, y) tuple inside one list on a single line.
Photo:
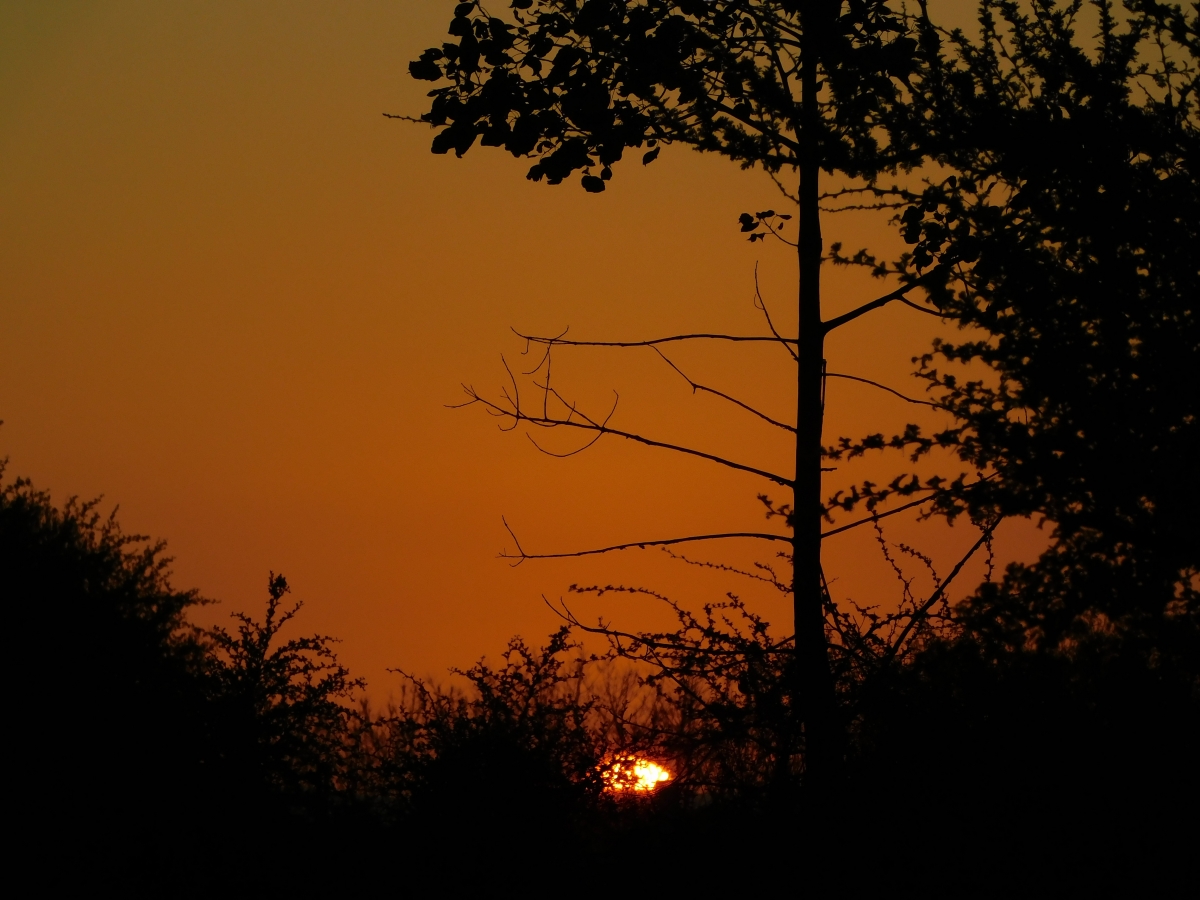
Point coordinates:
[(630, 773)]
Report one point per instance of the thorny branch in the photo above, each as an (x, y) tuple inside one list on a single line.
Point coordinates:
[(984, 538), (654, 641), (884, 198), (770, 578)]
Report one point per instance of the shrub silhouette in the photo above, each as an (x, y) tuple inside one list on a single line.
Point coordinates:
[(285, 706), (113, 670), (146, 737), (516, 747)]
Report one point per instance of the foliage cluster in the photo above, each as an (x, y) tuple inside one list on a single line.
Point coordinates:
[(574, 85)]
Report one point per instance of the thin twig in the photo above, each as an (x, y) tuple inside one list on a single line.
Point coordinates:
[(884, 387), (663, 340), (761, 304), (700, 387), (518, 416), (574, 410)]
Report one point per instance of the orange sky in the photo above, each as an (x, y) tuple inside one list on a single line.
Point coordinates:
[(234, 299)]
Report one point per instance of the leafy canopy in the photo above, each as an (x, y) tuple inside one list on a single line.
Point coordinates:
[(1075, 197), (574, 85)]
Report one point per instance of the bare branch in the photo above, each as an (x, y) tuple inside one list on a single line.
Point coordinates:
[(874, 517), (897, 294), (571, 406), (776, 136), (650, 343), (894, 191), (884, 387), (760, 303), (925, 309), (545, 361), (569, 453), (869, 207), (518, 416), (699, 387), (641, 545)]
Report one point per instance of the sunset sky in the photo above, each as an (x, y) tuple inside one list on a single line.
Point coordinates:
[(235, 299)]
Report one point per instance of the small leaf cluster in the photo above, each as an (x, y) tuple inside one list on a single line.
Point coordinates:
[(753, 225)]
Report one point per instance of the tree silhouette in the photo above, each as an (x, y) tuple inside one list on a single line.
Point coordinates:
[(796, 88), (1044, 231)]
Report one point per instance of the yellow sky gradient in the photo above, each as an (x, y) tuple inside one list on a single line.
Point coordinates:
[(235, 299)]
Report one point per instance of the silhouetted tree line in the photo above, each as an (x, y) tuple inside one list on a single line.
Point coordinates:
[(152, 751), (1052, 718)]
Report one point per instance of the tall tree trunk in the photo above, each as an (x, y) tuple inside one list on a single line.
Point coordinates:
[(815, 698)]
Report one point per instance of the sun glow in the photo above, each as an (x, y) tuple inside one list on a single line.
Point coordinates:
[(632, 773)]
